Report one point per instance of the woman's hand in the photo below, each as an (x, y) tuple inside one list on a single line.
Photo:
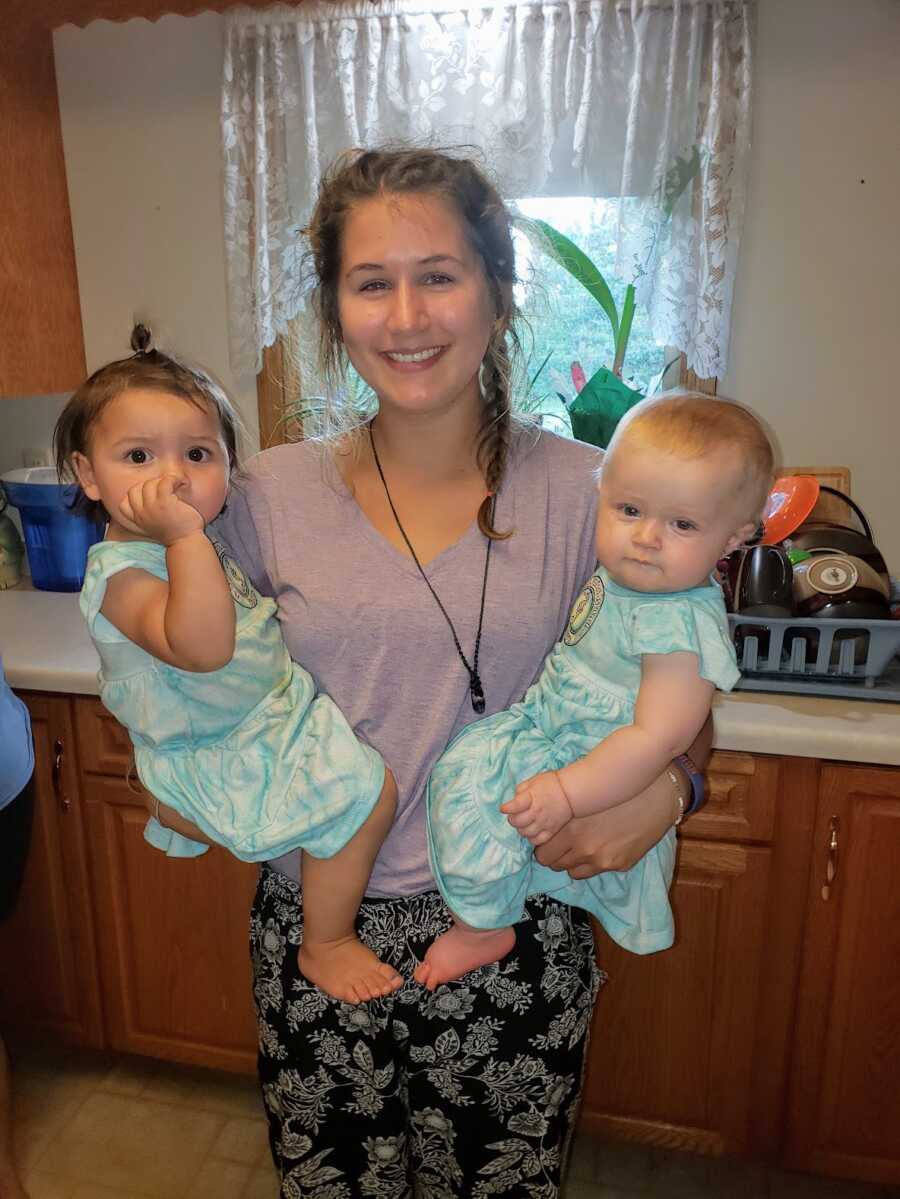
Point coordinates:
[(619, 837), (614, 839)]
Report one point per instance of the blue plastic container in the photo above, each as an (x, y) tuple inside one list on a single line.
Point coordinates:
[(56, 540)]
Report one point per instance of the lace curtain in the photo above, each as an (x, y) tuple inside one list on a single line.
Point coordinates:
[(645, 101)]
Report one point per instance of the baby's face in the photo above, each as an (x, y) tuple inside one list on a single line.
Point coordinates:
[(663, 522), (143, 435)]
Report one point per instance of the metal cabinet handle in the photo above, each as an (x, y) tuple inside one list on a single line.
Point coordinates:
[(62, 798), (831, 856)]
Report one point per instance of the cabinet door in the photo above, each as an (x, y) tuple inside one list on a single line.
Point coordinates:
[(49, 963), (690, 1045), (673, 1032), (844, 1110), (173, 939)]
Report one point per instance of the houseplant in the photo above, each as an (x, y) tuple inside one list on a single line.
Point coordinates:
[(603, 399)]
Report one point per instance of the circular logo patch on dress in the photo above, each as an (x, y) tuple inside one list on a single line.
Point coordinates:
[(585, 610), (242, 590)]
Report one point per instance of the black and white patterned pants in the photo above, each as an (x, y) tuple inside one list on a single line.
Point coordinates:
[(468, 1091)]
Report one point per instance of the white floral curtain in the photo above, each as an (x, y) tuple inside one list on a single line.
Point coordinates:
[(647, 101)]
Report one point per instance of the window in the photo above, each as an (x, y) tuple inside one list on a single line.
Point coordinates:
[(566, 324)]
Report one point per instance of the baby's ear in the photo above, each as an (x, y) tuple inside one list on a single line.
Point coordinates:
[(740, 537), (84, 473)]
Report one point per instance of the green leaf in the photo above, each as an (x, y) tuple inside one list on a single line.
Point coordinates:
[(624, 330), (578, 265), (534, 377), (599, 407)]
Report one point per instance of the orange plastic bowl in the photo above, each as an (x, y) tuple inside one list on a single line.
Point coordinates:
[(789, 504)]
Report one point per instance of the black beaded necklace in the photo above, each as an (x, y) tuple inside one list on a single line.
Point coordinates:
[(476, 691)]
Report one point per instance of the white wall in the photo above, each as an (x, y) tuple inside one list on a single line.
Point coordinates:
[(816, 320), (816, 316), (26, 422), (139, 104)]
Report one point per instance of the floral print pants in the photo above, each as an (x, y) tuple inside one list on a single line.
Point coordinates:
[(465, 1092)]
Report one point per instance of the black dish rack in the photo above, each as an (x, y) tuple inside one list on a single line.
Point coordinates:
[(805, 655)]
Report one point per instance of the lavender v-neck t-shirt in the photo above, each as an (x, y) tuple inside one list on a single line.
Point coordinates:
[(355, 612)]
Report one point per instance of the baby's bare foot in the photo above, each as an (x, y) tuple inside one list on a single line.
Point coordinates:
[(460, 950), (347, 970)]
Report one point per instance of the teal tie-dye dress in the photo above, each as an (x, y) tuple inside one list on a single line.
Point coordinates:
[(586, 690), (251, 754)]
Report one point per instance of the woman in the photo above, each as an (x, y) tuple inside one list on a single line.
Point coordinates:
[(424, 564)]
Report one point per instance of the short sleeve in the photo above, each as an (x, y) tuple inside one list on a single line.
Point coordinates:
[(106, 559), (687, 626)]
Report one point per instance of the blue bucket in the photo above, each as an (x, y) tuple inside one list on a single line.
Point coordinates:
[(56, 540)]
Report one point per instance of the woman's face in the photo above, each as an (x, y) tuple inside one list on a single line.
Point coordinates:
[(414, 304)]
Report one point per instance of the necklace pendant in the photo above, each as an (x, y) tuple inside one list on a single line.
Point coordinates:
[(477, 693)]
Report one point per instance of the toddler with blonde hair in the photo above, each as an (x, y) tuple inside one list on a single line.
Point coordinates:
[(625, 691)]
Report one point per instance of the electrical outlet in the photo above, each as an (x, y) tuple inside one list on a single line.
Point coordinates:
[(37, 456)]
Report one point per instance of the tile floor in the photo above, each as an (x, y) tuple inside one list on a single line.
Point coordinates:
[(92, 1126)]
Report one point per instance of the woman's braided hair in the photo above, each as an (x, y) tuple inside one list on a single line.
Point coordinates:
[(365, 174)]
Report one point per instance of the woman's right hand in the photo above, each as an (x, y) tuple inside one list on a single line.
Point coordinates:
[(614, 839)]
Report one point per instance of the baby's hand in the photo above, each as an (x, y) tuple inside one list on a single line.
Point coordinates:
[(539, 808), (154, 509)]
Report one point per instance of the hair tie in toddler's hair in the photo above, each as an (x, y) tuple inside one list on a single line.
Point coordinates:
[(141, 339)]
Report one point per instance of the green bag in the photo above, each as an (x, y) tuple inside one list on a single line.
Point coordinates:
[(599, 407)]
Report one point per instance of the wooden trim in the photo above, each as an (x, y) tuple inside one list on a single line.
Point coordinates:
[(270, 397), (53, 13), (652, 1132), (829, 507), (693, 382), (279, 388)]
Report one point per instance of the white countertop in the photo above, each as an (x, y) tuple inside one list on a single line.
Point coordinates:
[(44, 642), (45, 647)]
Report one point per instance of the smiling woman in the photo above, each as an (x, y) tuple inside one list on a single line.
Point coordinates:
[(423, 561), (417, 321)]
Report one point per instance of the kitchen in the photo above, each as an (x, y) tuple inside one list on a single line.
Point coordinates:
[(814, 311)]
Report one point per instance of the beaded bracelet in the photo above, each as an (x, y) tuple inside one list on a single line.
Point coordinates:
[(676, 783)]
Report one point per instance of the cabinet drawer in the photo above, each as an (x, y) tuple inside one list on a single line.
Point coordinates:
[(103, 744), (743, 791)]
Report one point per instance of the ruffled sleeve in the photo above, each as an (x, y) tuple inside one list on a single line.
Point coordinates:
[(106, 559), (688, 625)]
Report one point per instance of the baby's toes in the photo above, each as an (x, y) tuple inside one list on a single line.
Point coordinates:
[(388, 978), (422, 973)]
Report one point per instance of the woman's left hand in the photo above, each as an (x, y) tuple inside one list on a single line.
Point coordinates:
[(614, 839), (619, 837)]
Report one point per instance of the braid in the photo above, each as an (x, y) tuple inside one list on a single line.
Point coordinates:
[(493, 442)]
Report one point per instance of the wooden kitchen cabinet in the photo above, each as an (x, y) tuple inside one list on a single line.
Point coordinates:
[(690, 1046), (50, 986), (41, 341), (172, 935), (844, 1102), (770, 1029)]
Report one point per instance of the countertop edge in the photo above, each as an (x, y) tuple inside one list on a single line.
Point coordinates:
[(46, 648)]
